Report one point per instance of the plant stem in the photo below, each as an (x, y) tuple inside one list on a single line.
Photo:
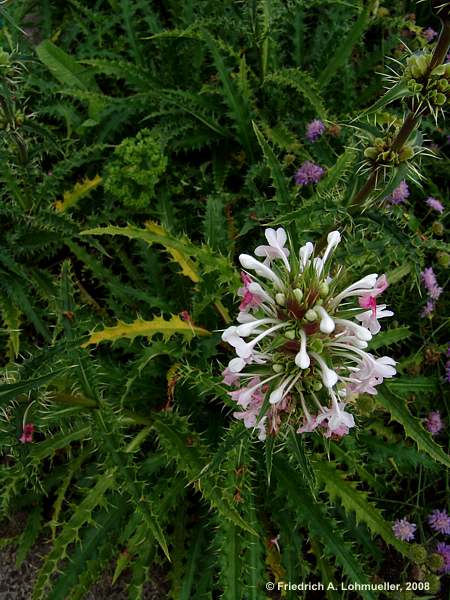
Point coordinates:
[(412, 118)]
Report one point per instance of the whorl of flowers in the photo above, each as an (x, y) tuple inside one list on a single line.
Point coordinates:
[(301, 339)]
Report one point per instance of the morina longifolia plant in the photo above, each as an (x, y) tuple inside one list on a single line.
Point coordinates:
[(177, 411)]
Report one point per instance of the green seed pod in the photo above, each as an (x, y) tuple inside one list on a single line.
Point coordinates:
[(435, 583), (443, 259), (438, 229), (418, 553), (435, 561), (324, 289), (406, 153)]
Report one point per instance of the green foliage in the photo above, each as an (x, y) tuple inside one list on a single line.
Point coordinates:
[(135, 169), (143, 147)]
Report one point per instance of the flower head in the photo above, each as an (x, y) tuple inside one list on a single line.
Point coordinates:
[(308, 173), (444, 550), (404, 530), (439, 521), (435, 204), (429, 280), (300, 348), (314, 130), (429, 34), (400, 193), (27, 433), (434, 423)]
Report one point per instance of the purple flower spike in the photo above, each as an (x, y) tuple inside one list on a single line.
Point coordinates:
[(308, 173), (430, 283), (439, 521), (404, 530), (314, 130), (400, 193), (435, 204), (434, 422)]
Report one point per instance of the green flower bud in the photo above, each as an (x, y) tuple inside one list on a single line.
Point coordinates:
[(435, 583), (443, 259), (435, 561), (277, 368), (438, 229), (4, 58), (371, 152), (317, 386), (311, 315), (440, 99), (290, 334), (324, 289), (298, 294), (280, 299), (418, 553)]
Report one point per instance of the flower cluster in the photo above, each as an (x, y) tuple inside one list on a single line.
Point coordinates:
[(434, 423), (400, 193), (433, 290), (301, 339), (404, 530), (27, 433), (308, 173), (435, 204), (314, 130)]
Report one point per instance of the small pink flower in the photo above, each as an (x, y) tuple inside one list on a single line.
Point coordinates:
[(249, 300), (185, 316), (27, 433), (369, 300), (429, 34)]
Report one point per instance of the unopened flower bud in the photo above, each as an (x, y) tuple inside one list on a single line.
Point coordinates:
[(435, 583), (317, 386), (311, 315), (280, 299), (438, 229), (290, 334), (324, 289), (443, 259), (277, 368), (298, 294)]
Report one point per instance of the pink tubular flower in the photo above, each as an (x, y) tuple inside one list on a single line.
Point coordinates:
[(439, 521), (369, 300), (444, 550), (400, 193), (27, 433), (308, 173), (435, 204), (249, 300), (434, 423), (404, 530), (314, 130)]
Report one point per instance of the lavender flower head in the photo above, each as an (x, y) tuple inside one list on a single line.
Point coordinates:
[(434, 422), (439, 521), (444, 550), (308, 173), (428, 309), (430, 283), (435, 204), (314, 130), (400, 193), (429, 34), (404, 530)]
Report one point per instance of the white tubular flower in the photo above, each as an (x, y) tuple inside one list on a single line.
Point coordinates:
[(301, 338)]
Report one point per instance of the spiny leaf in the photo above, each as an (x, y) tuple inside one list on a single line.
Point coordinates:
[(275, 168), (302, 83), (392, 336), (356, 501), (413, 427), (147, 329), (79, 191)]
